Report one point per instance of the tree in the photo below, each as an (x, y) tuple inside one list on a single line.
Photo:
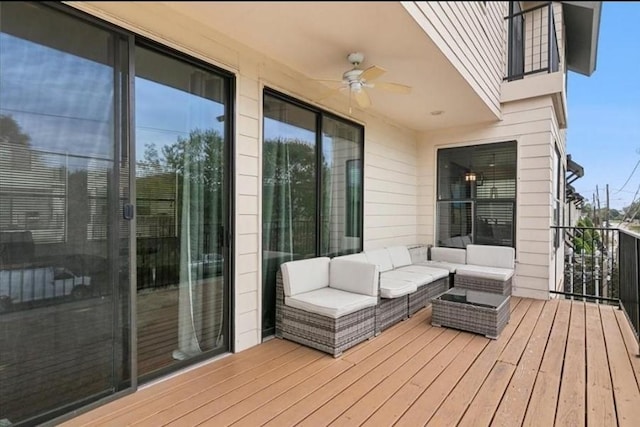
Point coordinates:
[(11, 132)]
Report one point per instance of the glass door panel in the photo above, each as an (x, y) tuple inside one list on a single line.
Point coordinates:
[(182, 211), (288, 192), (64, 299)]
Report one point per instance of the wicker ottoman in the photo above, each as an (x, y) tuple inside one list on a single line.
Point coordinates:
[(484, 313)]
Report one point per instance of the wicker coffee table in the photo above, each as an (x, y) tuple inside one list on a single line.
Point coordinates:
[(473, 311)]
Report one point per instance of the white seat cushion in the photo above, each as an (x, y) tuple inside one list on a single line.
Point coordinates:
[(331, 302), (408, 276), (400, 256), (394, 288), (483, 272), (381, 258), (453, 255), (491, 256), (305, 275), (450, 266), (353, 276), (435, 273)]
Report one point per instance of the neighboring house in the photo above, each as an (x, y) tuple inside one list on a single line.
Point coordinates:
[(267, 163)]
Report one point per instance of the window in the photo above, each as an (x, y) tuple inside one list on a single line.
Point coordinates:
[(557, 197), (477, 195), (311, 189)]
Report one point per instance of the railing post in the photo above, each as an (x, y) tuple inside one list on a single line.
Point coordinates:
[(550, 26)]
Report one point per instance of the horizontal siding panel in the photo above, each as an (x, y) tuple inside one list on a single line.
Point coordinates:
[(534, 271), (449, 33), (247, 244), (390, 221), (246, 282), (247, 165), (525, 187), (247, 302), (247, 263), (247, 224), (391, 232), (390, 198), (247, 146), (381, 209), (391, 187)]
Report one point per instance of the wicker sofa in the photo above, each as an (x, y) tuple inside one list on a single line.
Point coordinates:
[(405, 287), (329, 305), (478, 267), (488, 268)]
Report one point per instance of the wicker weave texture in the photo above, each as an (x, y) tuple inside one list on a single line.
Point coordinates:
[(390, 311), (323, 333), (481, 284), (482, 320), (419, 253), (425, 293)]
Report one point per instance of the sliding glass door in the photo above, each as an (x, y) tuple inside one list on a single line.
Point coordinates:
[(311, 189), (183, 214), (64, 244)]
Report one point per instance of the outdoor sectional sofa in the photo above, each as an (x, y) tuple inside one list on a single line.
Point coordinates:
[(478, 267), (405, 287), (329, 305)]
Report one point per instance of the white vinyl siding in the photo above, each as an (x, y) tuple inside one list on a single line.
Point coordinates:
[(390, 158), (472, 36), (532, 124)]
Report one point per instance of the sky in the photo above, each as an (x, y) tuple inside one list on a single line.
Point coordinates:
[(603, 132)]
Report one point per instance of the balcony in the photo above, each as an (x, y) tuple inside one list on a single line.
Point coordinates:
[(533, 46), (557, 362)]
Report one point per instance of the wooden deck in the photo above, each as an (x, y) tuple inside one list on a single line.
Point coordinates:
[(556, 363)]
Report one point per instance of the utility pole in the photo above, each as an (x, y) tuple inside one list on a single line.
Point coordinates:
[(598, 218), (593, 208), (607, 217)]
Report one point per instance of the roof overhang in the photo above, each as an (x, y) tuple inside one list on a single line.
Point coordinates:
[(574, 170), (582, 23)]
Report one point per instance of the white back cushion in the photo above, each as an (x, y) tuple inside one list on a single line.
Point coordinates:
[(359, 257), (305, 275), (491, 256), (381, 258), (400, 256), (454, 255), (354, 276)]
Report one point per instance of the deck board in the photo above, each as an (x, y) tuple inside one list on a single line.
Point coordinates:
[(571, 403), (513, 406), (625, 387), (556, 362), (600, 407)]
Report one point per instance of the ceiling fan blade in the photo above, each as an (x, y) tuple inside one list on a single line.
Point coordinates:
[(392, 87), (329, 93), (328, 81), (372, 73), (362, 98)]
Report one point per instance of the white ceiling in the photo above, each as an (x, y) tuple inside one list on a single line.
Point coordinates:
[(314, 39)]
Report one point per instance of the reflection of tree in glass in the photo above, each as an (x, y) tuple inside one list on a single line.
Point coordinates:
[(203, 150), (13, 139), (292, 163), (11, 132)]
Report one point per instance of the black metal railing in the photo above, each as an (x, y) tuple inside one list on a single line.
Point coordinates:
[(532, 43), (603, 265), (629, 249), (591, 262)]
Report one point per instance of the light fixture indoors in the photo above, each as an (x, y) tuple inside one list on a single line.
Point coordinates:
[(470, 176)]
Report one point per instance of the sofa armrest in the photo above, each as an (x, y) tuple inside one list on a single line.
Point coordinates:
[(353, 276)]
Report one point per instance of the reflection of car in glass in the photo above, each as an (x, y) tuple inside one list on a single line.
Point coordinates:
[(24, 285), (210, 265)]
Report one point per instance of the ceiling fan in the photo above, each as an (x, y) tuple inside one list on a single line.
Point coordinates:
[(358, 81)]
